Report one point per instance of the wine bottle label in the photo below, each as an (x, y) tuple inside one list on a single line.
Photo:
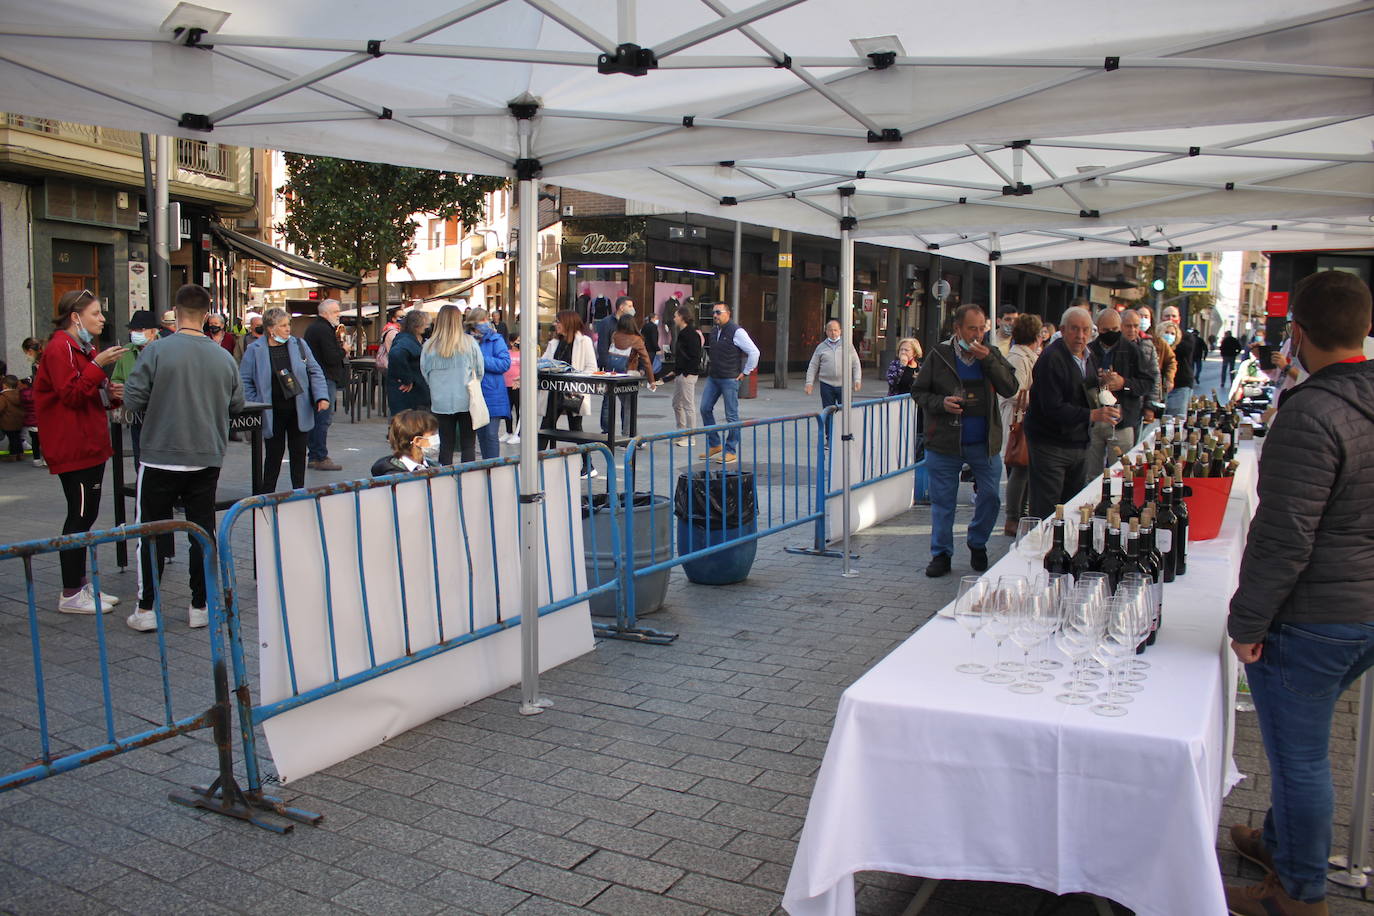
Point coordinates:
[(1070, 540), (1099, 535), (1164, 540)]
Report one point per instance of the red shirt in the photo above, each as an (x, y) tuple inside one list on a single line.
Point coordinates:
[(71, 411)]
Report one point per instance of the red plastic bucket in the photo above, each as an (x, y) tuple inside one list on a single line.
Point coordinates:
[(1206, 505)]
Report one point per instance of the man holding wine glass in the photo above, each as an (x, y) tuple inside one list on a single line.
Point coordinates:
[(955, 388), (1065, 399)]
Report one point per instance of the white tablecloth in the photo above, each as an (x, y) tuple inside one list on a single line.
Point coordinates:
[(934, 773)]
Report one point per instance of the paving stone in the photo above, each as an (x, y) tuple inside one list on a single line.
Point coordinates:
[(555, 883), (392, 867), (673, 802), (544, 820), (556, 851), (623, 901), (725, 896), (315, 878), (479, 861), (705, 860), (683, 828), (473, 894), (628, 840), (657, 776), (372, 896), (630, 871), (616, 812)]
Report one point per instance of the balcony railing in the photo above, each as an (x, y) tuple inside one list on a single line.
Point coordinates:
[(210, 159), (122, 140)]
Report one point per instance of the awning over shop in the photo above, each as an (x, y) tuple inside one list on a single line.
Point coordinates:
[(285, 261), (459, 289)]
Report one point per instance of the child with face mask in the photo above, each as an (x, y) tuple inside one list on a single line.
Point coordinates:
[(414, 438)]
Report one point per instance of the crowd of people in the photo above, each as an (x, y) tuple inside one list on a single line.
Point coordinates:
[(1050, 405)]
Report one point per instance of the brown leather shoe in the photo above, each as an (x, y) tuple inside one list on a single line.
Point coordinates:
[(1249, 842), (1268, 898), (326, 464)]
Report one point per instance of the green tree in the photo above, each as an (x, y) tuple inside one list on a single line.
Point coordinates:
[(355, 216)]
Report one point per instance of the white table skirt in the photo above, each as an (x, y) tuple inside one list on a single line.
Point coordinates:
[(934, 773)]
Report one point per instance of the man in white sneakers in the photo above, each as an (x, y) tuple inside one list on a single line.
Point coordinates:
[(186, 385)]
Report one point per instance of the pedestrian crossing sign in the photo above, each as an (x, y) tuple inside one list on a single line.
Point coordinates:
[(1194, 276)]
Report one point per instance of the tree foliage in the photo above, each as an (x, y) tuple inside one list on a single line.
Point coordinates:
[(355, 216)]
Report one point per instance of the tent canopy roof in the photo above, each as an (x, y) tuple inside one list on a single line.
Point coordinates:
[(1224, 111)]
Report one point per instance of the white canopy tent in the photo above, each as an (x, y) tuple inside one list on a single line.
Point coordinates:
[(642, 98)]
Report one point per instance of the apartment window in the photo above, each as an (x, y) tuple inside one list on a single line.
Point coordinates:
[(434, 234)]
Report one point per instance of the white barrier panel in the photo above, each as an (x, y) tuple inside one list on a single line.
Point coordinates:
[(889, 444), (477, 562)]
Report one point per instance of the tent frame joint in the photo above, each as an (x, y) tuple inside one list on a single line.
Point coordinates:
[(848, 223), (1174, 249), (888, 135), (729, 202), (689, 120), (374, 47), (1019, 144), (1020, 189), (385, 114), (1111, 63), (192, 37), (994, 255), (629, 59), (784, 64), (191, 121), (882, 60), (1090, 214), (528, 169)]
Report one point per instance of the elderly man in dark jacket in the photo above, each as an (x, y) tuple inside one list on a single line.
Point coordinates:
[(1064, 401), (322, 337), (1302, 619), (956, 388)]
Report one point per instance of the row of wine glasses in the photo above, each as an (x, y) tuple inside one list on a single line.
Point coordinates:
[(1098, 632)]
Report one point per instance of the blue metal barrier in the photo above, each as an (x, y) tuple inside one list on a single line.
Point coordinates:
[(888, 446), (419, 621), (223, 795), (783, 458)]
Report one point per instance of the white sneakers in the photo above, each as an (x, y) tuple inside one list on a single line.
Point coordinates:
[(683, 443), (146, 621), (511, 439), (83, 602)]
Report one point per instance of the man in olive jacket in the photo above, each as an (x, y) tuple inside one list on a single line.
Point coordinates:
[(1302, 619), (955, 387)]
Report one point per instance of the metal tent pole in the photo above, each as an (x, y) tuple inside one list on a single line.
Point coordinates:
[(162, 228), (531, 497), (1353, 869), (736, 270), (847, 223), (784, 303), (993, 254)]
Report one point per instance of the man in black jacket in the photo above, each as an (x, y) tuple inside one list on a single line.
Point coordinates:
[(322, 337), (955, 388), (1117, 359), (1301, 619), (1064, 400)]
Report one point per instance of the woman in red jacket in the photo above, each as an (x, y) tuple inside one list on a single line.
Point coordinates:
[(72, 394)]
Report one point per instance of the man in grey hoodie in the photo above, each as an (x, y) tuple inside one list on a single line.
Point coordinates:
[(186, 385)]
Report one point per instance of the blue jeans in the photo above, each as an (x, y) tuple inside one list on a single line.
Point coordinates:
[(944, 495), (831, 396), (1301, 674), (317, 446), (1176, 404), (489, 438), (712, 391)]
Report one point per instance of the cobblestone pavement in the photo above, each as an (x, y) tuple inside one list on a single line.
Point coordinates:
[(666, 780)]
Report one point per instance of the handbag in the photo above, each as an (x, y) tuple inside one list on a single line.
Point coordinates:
[(477, 404), (704, 363), (1018, 449)]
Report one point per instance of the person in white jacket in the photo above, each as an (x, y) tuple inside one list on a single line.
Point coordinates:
[(571, 346)]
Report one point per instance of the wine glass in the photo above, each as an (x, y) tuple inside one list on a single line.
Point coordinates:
[(1031, 541), (1110, 652), (971, 610), (1140, 587), (1001, 607), (1029, 631), (1125, 622), (1011, 590), (1057, 585)]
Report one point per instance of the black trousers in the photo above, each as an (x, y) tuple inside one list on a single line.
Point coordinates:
[(1056, 474), (158, 491), (513, 395), (555, 410), (82, 490), (456, 428), (286, 438)]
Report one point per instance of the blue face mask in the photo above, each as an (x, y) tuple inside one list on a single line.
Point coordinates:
[(963, 344), (1170, 339), (280, 340), (83, 335), (484, 326), (138, 338)]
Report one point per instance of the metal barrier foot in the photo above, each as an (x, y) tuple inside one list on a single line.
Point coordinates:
[(634, 634), (277, 806), (819, 552), (234, 802)]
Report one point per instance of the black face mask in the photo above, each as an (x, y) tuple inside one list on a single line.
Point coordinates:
[(1109, 338), (428, 331)]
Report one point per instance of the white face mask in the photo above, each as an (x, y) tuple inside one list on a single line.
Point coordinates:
[(1144, 323), (138, 338), (429, 445)]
